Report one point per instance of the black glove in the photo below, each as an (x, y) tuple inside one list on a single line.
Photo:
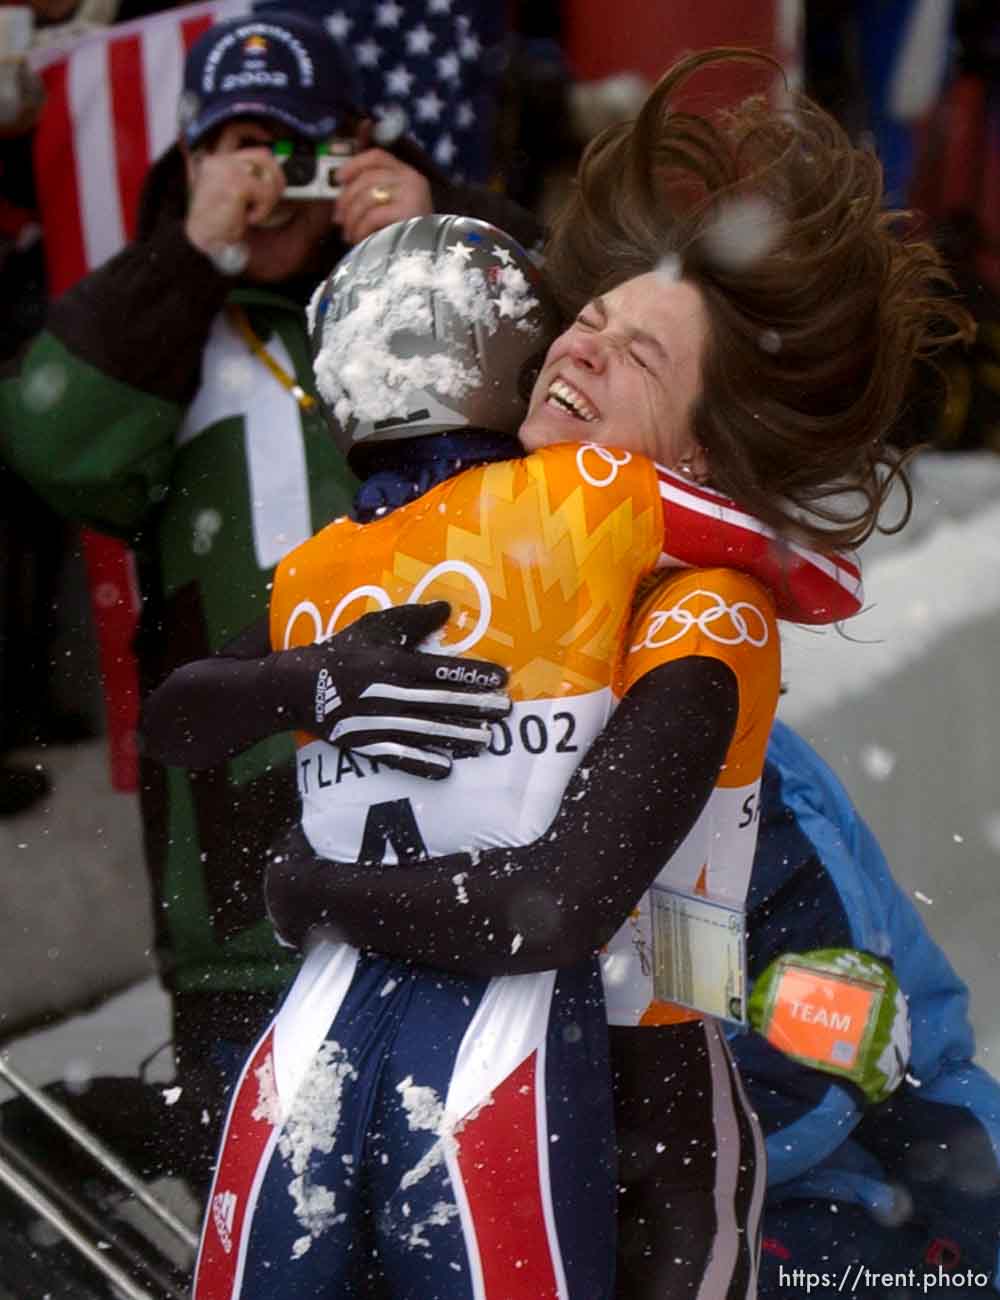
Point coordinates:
[(368, 688), (371, 689)]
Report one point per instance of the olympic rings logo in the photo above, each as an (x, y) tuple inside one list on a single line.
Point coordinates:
[(308, 610), (605, 454), (737, 624)]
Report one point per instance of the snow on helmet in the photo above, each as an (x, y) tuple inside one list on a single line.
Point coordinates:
[(431, 325)]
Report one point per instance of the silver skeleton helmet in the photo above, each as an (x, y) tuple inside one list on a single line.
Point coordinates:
[(431, 325)]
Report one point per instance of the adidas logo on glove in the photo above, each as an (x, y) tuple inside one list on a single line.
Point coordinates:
[(469, 676), (327, 697)]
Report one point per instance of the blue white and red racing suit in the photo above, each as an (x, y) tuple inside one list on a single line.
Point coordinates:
[(456, 1106)]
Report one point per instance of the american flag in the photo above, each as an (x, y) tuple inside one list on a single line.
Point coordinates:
[(427, 66), (431, 66)]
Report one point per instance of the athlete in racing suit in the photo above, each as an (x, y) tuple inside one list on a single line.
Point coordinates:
[(539, 559)]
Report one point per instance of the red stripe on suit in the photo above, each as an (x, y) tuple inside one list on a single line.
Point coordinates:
[(498, 1157), (251, 1135)]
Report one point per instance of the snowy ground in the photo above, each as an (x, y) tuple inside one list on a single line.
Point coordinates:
[(908, 711)]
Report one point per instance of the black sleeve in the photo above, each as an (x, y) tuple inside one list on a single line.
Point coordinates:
[(369, 685), (211, 709), (143, 318), (252, 643), (547, 904)]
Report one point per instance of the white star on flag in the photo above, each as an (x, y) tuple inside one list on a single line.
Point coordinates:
[(338, 25), (459, 252), (438, 6), (501, 254), (429, 107), (399, 81), (447, 66), (420, 40), (465, 115), (391, 122), (388, 13), (470, 47), (367, 54), (444, 150)]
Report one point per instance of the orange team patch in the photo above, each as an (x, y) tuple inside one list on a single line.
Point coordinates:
[(820, 1017)]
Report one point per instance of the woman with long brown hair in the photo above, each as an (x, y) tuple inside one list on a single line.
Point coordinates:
[(748, 317), (818, 300), (747, 311)]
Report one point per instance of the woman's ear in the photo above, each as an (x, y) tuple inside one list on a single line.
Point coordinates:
[(698, 459)]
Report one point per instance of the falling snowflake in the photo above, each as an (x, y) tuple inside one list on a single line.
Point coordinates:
[(769, 341), (44, 386), (206, 525), (743, 231), (231, 259), (878, 763), (78, 1076)]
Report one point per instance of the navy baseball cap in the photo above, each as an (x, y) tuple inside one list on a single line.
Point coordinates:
[(280, 66)]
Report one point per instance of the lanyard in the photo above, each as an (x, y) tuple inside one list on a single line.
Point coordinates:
[(240, 320)]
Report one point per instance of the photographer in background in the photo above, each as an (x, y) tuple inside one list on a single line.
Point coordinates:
[(168, 402)]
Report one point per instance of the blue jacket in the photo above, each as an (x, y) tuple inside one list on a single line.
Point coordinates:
[(820, 880)]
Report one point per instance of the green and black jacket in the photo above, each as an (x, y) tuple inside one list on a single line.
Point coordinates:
[(140, 412)]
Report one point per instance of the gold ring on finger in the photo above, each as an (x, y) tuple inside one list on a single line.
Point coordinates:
[(381, 194)]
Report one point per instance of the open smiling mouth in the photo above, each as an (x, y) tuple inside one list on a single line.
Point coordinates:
[(568, 399)]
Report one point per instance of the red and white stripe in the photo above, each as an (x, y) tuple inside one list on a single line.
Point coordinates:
[(111, 110), (285, 1052), (250, 1137), (497, 1103), (499, 1175), (808, 586)]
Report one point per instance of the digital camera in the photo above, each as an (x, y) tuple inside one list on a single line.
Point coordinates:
[(311, 169)]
